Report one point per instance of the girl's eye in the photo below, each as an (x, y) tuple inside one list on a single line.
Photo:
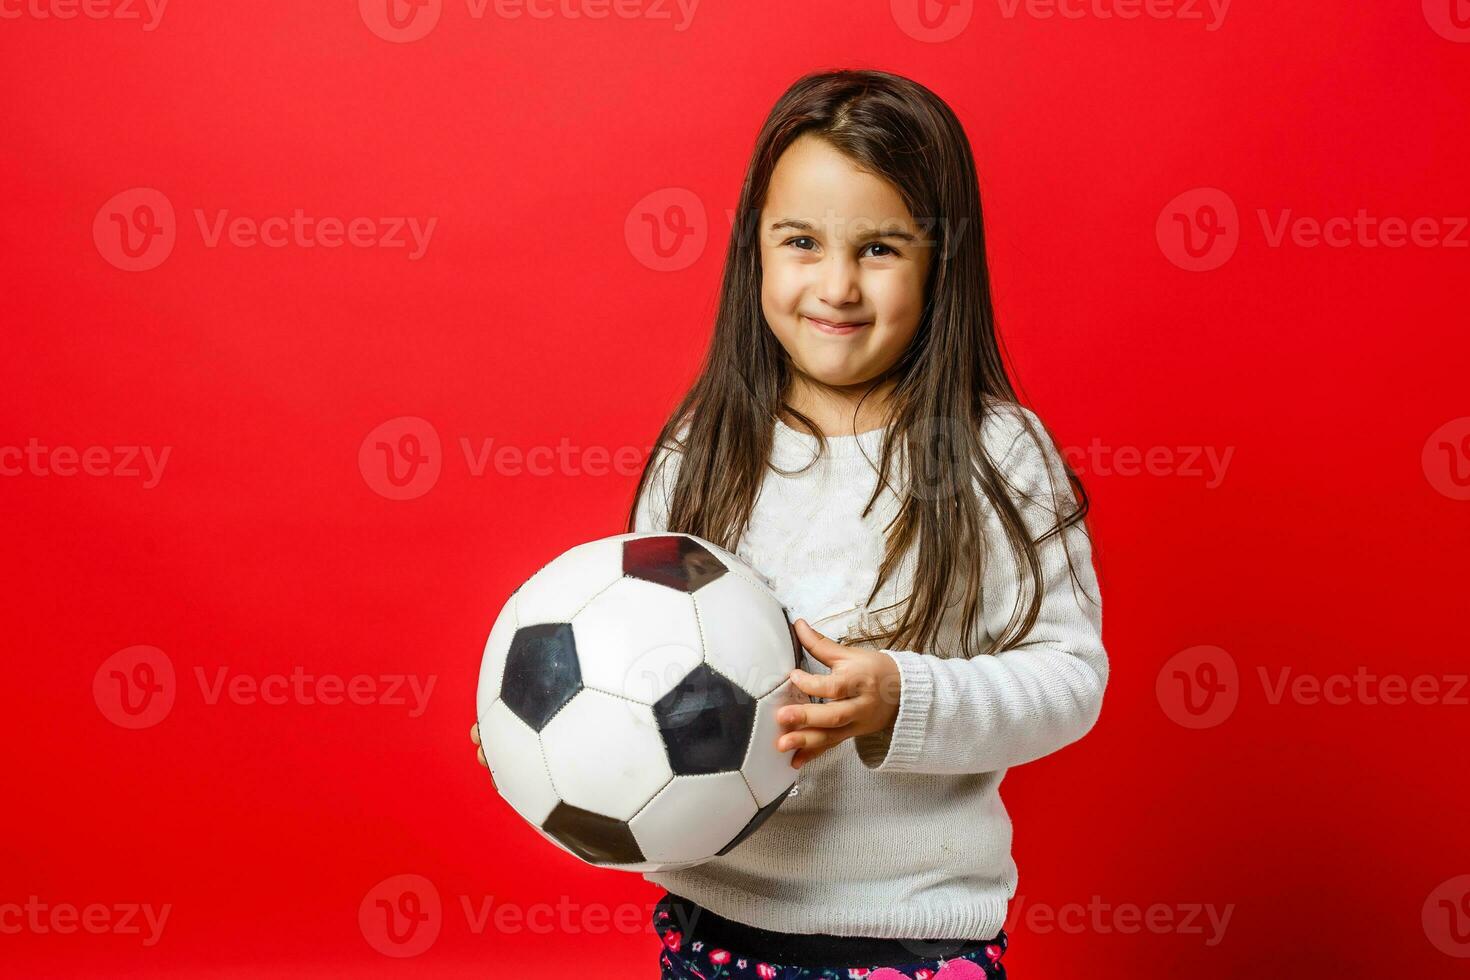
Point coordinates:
[(805, 238)]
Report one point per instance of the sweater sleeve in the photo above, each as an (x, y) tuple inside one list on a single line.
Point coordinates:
[(1043, 692)]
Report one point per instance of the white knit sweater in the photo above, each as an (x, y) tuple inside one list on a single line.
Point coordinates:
[(902, 834)]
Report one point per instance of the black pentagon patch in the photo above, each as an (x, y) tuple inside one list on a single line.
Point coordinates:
[(541, 672), (706, 723), (673, 560), (755, 821), (593, 837)]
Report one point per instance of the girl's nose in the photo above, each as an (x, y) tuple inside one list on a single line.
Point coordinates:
[(839, 285)]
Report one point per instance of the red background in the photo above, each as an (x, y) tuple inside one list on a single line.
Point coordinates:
[(1331, 543)]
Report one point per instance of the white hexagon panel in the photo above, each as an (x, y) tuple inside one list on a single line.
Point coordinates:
[(636, 639), (525, 784), (605, 754), (746, 635), (568, 582), (767, 771), (693, 817)]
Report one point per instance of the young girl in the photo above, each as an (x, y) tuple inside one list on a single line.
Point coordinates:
[(854, 437)]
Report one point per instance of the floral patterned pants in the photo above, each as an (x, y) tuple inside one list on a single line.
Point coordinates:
[(695, 961)]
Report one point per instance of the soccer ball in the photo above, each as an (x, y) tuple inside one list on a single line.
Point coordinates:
[(628, 697)]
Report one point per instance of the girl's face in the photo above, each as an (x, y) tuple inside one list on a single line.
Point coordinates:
[(839, 245)]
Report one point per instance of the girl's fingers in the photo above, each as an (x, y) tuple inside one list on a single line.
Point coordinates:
[(480, 749), (813, 738), (793, 740), (833, 685), (833, 714)]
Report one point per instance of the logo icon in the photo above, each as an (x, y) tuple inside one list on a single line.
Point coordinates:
[(400, 21), (1198, 687), (1449, 18), (135, 230), (1446, 917), (1199, 230), (401, 916), (1446, 459), (135, 687), (932, 21), (401, 459), (667, 229)]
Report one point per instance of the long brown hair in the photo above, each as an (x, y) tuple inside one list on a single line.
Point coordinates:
[(945, 383)]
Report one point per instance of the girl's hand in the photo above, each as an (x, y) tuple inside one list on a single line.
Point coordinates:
[(475, 737), (862, 695)]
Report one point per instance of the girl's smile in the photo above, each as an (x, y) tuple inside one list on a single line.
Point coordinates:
[(837, 329)]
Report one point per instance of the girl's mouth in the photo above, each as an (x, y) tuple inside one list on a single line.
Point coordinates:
[(837, 329)]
